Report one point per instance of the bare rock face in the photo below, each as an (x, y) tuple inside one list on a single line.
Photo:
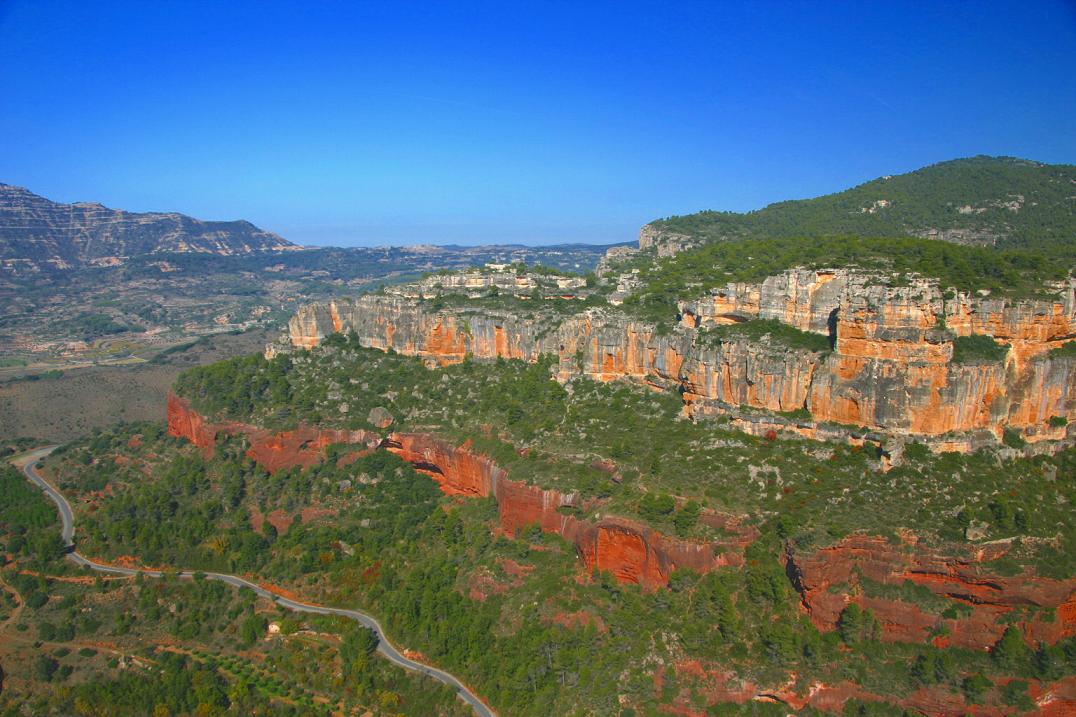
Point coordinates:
[(802, 298), (633, 552), (665, 243), (828, 580), (480, 282), (273, 450), (379, 416), (891, 368)]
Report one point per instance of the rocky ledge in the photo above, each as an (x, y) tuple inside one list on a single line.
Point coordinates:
[(899, 582)]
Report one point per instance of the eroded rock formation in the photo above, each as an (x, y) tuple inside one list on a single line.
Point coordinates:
[(273, 450), (633, 552), (830, 578), (827, 579)]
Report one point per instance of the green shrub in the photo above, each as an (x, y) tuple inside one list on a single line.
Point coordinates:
[(44, 668), (1058, 421), (856, 625), (768, 331), (1010, 653), (1015, 695), (800, 415), (1013, 439), (977, 349), (975, 688)]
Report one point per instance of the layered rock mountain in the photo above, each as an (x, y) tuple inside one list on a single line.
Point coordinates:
[(950, 555), (37, 234)]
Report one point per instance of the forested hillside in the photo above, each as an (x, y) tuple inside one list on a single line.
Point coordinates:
[(995, 201)]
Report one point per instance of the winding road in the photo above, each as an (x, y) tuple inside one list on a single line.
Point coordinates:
[(385, 647)]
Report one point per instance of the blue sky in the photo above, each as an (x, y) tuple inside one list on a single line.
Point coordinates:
[(393, 122)]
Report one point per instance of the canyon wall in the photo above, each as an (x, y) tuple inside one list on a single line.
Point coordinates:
[(890, 370), (633, 552)]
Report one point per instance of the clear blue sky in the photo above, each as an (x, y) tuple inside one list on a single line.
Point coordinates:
[(391, 122)]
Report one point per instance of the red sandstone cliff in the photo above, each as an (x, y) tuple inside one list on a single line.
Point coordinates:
[(829, 579), (272, 450), (633, 552)]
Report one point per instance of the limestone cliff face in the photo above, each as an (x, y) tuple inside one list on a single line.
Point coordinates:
[(633, 552), (801, 298), (827, 581), (665, 243), (891, 369), (405, 326), (478, 282)]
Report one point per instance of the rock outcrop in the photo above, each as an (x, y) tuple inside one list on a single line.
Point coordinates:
[(890, 370), (633, 552), (663, 242), (495, 279), (715, 684), (827, 579), (273, 450), (830, 578)]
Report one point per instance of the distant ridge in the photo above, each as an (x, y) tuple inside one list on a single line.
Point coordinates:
[(37, 234)]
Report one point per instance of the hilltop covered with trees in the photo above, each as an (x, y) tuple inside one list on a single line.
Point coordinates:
[(999, 201)]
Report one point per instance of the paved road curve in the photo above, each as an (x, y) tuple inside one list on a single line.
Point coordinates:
[(383, 646)]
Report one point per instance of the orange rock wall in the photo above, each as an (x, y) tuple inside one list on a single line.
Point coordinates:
[(890, 370), (183, 422), (631, 551), (964, 581), (272, 450)]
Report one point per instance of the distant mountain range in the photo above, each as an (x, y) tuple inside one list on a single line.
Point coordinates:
[(993, 201), (37, 234)]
